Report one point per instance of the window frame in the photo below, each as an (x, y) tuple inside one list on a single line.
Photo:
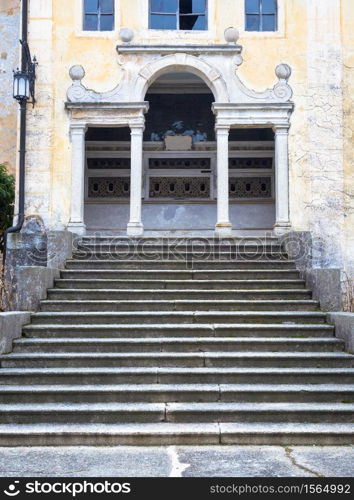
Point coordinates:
[(261, 16), (178, 15), (99, 14)]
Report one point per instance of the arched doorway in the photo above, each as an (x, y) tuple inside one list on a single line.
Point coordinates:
[(179, 170), (179, 155)]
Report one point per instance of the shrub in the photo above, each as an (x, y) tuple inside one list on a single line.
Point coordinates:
[(7, 198)]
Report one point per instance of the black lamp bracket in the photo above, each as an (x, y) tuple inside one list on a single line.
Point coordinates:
[(29, 65)]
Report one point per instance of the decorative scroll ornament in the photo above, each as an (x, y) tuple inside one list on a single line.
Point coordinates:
[(282, 90), (137, 78), (77, 91)]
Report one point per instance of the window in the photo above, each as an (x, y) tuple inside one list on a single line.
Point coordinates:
[(178, 14), (98, 15), (261, 15)]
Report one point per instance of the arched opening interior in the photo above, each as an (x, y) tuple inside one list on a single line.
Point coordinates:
[(179, 190)]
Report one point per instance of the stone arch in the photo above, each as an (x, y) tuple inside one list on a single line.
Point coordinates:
[(181, 62)]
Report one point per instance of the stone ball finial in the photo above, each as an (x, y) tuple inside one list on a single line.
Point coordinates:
[(126, 35), (231, 35), (283, 71), (77, 73)]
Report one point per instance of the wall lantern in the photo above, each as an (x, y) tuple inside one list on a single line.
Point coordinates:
[(24, 79), (21, 86)]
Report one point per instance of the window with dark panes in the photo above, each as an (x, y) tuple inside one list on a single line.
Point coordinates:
[(98, 15), (178, 14), (261, 15)]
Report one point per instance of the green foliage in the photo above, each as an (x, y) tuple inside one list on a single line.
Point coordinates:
[(7, 198)]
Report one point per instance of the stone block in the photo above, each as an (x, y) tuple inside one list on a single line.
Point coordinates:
[(60, 248), (321, 276), (11, 328), (33, 259), (344, 328), (326, 287), (31, 286)]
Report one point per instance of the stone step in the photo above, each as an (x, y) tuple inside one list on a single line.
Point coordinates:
[(93, 413), (162, 393), (165, 285), (112, 413), (164, 433), (179, 305), (155, 274), (245, 359), (111, 264), (198, 246), (190, 375), (172, 255), (148, 341), (178, 330), (259, 412), (174, 317), (177, 344), (188, 294), (112, 239)]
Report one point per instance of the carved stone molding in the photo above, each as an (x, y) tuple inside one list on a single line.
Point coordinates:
[(143, 65)]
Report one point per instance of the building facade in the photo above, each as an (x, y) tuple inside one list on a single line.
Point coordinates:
[(156, 117)]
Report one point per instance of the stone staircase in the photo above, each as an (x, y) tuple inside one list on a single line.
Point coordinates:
[(150, 341)]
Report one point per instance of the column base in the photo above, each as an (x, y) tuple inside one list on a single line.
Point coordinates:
[(135, 229), (281, 228), (223, 229), (77, 228)]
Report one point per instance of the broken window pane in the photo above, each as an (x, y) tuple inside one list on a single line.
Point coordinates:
[(192, 6), (192, 22)]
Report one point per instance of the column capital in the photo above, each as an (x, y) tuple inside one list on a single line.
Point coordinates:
[(137, 125), (222, 129), (78, 128), (281, 129)]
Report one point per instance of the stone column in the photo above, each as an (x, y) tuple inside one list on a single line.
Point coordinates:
[(223, 226), (77, 136), (282, 223), (135, 226)]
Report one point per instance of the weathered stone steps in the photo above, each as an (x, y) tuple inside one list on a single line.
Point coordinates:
[(330, 393), (177, 344), (171, 294), (141, 264), (175, 330), (112, 413), (171, 255), (146, 342), (180, 274), (168, 375), (198, 433), (246, 359), (186, 284), (179, 305), (175, 317)]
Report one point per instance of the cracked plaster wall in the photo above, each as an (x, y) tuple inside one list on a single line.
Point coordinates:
[(9, 50)]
